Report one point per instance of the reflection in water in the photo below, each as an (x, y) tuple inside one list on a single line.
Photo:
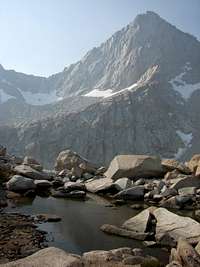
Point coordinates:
[(79, 231)]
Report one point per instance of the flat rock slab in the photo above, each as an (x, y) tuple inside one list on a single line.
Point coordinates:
[(48, 257), (29, 172), (114, 230), (176, 226)]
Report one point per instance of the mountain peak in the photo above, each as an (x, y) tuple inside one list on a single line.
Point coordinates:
[(148, 17)]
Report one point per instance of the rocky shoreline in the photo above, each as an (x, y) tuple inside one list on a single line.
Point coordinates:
[(156, 185), (19, 237)]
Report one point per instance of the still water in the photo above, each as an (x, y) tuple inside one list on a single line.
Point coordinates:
[(79, 230)]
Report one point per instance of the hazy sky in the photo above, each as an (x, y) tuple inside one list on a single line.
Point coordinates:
[(43, 36)]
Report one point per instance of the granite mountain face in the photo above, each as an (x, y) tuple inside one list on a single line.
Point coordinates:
[(138, 93)]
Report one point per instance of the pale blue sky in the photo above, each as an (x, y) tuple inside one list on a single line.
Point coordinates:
[(43, 36)]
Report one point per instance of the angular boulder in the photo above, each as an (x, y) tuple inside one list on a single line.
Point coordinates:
[(124, 183), (139, 223), (134, 166), (20, 183), (188, 181)]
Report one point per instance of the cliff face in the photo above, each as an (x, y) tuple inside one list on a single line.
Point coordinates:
[(148, 77), (139, 122)]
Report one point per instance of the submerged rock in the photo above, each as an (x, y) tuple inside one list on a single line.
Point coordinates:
[(48, 217)]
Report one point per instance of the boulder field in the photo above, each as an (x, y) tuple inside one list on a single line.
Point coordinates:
[(135, 180)]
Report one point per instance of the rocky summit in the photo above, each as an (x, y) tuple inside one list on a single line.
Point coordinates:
[(141, 84)]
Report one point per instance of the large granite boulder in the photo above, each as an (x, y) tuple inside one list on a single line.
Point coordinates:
[(175, 226), (134, 166), (160, 224), (68, 159), (48, 257), (20, 183)]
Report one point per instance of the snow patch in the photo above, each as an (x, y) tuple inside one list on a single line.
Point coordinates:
[(109, 92), (4, 97), (183, 88), (99, 93), (39, 99), (186, 139)]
